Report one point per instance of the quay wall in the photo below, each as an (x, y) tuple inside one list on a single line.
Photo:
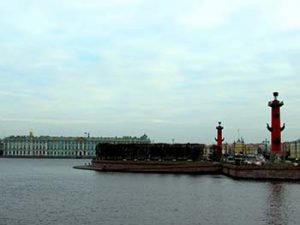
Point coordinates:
[(46, 157), (157, 166), (267, 172)]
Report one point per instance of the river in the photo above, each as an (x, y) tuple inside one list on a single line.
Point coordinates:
[(50, 191)]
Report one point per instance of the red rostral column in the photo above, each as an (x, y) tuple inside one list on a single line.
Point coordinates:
[(219, 138), (275, 129)]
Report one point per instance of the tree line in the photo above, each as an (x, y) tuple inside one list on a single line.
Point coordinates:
[(158, 151)]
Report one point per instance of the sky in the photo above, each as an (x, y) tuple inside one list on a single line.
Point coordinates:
[(170, 69)]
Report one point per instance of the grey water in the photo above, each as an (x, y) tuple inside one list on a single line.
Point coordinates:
[(50, 191)]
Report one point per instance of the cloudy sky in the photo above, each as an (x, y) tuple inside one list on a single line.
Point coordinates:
[(170, 69)]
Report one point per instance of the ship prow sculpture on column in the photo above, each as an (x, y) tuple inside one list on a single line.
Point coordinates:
[(275, 127), (219, 140)]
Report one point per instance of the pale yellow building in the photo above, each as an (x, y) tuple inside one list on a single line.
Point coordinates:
[(251, 149), (239, 146), (294, 149)]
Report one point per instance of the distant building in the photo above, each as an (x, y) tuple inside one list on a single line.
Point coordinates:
[(68, 147), (1, 147), (294, 149), (207, 151), (227, 149), (239, 146)]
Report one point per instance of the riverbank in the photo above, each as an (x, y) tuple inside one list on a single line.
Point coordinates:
[(154, 166), (45, 157), (265, 172)]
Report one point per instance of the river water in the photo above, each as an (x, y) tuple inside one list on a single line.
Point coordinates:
[(50, 191)]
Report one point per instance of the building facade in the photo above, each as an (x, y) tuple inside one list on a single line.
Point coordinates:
[(60, 147), (1, 147), (294, 149), (239, 147)]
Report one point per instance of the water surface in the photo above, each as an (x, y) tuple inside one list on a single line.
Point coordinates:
[(50, 191)]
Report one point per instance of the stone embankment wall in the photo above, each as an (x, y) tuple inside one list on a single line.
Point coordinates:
[(266, 172), (157, 166), (276, 172)]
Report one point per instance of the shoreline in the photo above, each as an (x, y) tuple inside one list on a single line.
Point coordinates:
[(43, 157), (175, 167), (279, 172)]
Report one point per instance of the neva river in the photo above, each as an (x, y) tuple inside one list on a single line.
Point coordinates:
[(50, 191)]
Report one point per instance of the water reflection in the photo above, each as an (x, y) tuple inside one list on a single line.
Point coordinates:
[(277, 210)]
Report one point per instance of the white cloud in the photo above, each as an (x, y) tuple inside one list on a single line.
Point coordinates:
[(287, 15), (169, 68), (204, 18), (210, 13)]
